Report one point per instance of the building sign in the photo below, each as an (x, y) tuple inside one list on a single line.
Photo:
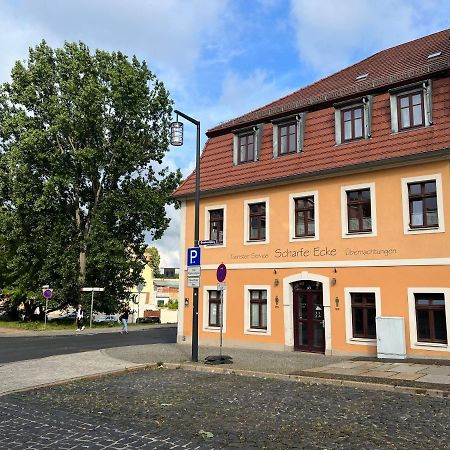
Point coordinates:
[(312, 253)]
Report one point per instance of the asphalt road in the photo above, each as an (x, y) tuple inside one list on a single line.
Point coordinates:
[(32, 347)]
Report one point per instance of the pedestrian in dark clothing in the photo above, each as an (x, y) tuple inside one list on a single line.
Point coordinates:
[(124, 319)]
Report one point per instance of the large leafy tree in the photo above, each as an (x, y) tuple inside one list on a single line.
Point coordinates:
[(82, 141)]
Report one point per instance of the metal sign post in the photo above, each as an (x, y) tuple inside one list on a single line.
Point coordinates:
[(221, 286), (140, 288), (92, 289), (47, 293)]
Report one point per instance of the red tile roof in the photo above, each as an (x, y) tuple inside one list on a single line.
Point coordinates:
[(388, 68)]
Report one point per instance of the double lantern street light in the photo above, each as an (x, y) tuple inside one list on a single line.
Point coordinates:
[(176, 138)]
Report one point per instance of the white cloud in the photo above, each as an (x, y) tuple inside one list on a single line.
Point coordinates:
[(169, 245), (332, 35), (169, 34)]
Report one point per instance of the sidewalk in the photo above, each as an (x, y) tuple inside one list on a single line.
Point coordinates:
[(430, 377)]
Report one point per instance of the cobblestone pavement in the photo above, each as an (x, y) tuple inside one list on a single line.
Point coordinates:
[(171, 408)]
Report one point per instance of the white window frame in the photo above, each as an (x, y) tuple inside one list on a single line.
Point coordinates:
[(427, 104), (257, 140), (292, 197), (366, 103), (344, 213), (414, 343), (437, 177), (348, 314), (300, 119), (247, 203), (206, 230), (205, 320), (247, 327)]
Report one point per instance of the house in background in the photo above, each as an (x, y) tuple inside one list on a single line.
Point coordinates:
[(156, 293), (329, 208)]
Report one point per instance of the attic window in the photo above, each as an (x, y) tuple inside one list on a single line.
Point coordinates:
[(434, 55), (362, 77)]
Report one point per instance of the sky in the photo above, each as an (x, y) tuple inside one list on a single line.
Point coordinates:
[(220, 58)]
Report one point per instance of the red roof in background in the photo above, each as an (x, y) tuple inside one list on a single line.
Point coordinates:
[(395, 66)]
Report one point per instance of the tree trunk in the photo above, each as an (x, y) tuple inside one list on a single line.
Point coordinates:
[(82, 275)]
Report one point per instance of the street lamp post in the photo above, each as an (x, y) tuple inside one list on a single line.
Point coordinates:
[(176, 138)]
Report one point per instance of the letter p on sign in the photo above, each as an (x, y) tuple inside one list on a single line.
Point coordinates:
[(193, 256)]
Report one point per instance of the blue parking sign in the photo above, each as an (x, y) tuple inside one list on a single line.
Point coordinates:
[(193, 256)]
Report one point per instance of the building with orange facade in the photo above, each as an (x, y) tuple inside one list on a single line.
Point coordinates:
[(329, 208)]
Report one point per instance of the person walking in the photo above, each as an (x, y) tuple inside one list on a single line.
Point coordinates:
[(80, 317), (124, 319)]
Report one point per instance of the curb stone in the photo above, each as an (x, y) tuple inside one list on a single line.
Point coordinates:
[(430, 392), (311, 380)]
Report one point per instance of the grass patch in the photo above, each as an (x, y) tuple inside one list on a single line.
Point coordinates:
[(51, 325)]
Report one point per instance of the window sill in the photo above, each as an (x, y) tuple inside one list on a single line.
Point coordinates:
[(425, 230), (215, 246), (256, 242), (257, 331), (213, 329), (359, 234), (352, 141), (362, 341), (406, 130), (431, 345), (282, 155)]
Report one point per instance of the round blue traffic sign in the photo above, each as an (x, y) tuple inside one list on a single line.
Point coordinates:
[(47, 293), (221, 273)]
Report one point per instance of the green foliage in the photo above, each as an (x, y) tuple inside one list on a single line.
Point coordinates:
[(172, 304), (153, 259), (82, 139)]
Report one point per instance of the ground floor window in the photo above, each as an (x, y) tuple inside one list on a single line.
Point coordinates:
[(258, 309), (215, 313), (363, 315), (430, 317)]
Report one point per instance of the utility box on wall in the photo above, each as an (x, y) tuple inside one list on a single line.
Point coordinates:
[(391, 337)]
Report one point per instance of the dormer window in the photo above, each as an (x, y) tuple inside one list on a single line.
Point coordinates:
[(246, 147), (247, 144), (411, 106), (353, 120), (288, 133)]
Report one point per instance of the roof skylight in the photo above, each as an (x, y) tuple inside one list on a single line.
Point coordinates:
[(434, 55), (363, 76)]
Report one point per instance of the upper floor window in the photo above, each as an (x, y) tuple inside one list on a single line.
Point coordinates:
[(411, 106), (246, 147), (287, 139), (410, 109), (288, 134), (423, 205), (247, 144), (359, 211), (216, 225), (353, 120), (304, 216), (257, 221), (423, 208)]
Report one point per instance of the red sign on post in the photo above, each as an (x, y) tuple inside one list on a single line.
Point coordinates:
[(221, 273)]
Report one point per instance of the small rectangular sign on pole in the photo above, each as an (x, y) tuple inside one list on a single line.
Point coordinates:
[(208, 242), (193, 271), (193, 282), (92, 289), (221, 286)]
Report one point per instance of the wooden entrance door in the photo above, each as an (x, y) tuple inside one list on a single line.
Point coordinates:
[(309, 324)]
